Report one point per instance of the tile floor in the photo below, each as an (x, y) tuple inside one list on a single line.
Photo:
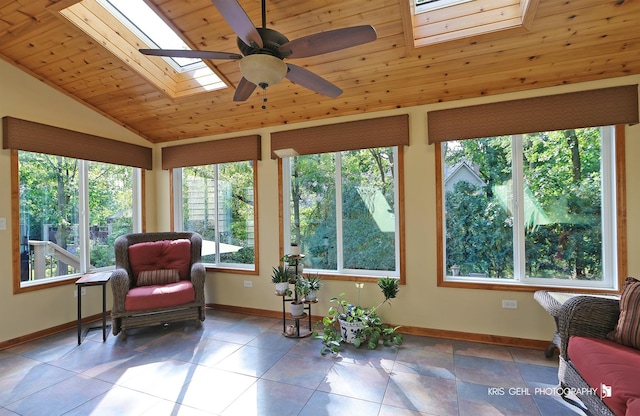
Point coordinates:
[(242, 365)]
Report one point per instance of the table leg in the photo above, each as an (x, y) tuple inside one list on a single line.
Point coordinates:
[(79, 295), (104, 312)]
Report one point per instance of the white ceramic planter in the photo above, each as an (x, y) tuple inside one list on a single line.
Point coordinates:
[(281, 288), (350, 330), (297, 309)]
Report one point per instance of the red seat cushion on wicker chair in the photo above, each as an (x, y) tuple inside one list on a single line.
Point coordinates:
[(157, 255), (603, 362), (159, 296)]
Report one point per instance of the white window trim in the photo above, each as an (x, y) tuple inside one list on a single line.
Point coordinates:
[(609, 227), (286, 210)]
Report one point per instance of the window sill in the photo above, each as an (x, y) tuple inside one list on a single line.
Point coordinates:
[(353, 278), (232, 270), (519, 287), (32, 286)]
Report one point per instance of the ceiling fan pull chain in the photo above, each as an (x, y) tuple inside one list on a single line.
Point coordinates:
[(264, 98)]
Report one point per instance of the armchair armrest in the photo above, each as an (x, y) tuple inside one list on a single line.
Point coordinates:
[(120, 284), (198, 274), (587, 316)]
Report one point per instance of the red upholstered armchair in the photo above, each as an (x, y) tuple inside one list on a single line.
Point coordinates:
[(158, 279)]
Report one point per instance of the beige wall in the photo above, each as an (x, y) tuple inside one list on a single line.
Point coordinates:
[(23, 96), (420, 303)]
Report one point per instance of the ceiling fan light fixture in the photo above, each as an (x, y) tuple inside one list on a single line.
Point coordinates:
[(263, 70)]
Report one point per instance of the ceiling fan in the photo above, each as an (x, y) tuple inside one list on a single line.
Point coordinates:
[(263, 51)]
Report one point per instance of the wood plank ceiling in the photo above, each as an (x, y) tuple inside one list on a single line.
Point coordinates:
[(562, 42)]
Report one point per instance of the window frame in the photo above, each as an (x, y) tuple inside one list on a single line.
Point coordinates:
[(351, 274), (83, 223), (619, 241), (175, 175)]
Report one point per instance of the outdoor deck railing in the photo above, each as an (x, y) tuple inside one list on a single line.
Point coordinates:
[(42, 249)]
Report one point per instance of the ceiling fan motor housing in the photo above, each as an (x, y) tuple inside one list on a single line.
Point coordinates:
[(271, 40)]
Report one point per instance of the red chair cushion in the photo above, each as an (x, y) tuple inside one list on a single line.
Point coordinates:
[(156, 255), (159, 296), (601, 361)]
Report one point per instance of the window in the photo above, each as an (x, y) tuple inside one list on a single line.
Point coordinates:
[(438, 21), (532, 209), (427, 5), (144, 22), (342, 209), (125, 26), (71, 212), (218, 202)]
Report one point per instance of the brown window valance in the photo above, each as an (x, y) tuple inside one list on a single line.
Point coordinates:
[(353, 135), (208, 153), (41, 138), (601, 107)]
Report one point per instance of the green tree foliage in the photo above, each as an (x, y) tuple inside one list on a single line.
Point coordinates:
[(110, 209), (478, 233)]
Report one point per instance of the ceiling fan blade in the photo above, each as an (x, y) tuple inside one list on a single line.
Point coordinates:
[(308, 79), (243, 90), (181, 53), (330, 41), (237, 18)]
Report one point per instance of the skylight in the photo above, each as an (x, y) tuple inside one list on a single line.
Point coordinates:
[(123, 37), (145, 23), (438, 21), (428, 5)]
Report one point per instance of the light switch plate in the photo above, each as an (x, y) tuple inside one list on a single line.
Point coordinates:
[(3, 223)]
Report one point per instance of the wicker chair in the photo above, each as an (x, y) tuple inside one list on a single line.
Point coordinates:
[(123, 283), (586, 316)]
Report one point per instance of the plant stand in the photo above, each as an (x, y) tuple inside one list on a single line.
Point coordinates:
[(295, 330)]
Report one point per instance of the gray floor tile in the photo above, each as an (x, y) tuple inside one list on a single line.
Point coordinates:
[(327, 404), (242, 365)]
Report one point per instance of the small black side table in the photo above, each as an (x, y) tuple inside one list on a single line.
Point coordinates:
[(93, 279)]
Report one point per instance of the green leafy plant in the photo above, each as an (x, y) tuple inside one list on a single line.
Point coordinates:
[(301, 287), (313, 281), (289, 259), (279, 275), (374, 331)]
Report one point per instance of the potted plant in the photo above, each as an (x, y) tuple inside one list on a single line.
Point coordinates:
[(294, 265), (297, 305), (355, 324), (280, 278), (314, 284)]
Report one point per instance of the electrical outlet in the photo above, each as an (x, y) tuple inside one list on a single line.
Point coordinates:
[(248, 283), (509, 304), (83, 292)]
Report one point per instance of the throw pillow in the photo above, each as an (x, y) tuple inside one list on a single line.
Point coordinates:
[(627, 331), (164, 254), (158, 277)]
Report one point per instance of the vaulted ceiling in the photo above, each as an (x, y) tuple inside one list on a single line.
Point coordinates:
[(416, 60)]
